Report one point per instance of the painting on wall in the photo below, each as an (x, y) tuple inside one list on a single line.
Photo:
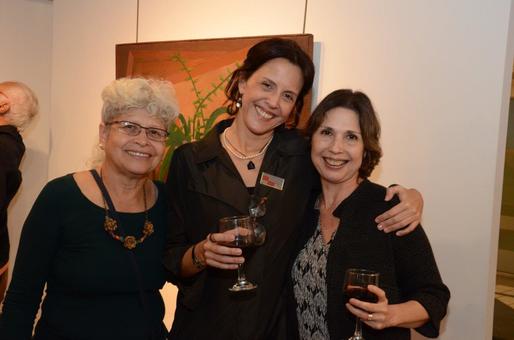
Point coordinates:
[(199, 70)]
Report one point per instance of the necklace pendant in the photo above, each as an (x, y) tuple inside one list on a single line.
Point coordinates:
[(250, 165)]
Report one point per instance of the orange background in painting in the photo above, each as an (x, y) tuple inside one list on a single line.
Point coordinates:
[(208, 59)]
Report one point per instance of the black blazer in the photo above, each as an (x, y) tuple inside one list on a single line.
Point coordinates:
[(407, 267), (205, 186)]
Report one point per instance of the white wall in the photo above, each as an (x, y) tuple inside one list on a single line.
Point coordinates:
[(435, 71), (26, 40), (438, 72), (85, 35)]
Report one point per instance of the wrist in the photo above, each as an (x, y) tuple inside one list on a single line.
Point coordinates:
[(198, 262), (394, 316)]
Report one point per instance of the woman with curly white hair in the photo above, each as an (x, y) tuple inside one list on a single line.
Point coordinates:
[(96, 238), (18, 105)]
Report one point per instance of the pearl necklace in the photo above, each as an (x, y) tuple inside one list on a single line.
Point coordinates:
[(240, 155)]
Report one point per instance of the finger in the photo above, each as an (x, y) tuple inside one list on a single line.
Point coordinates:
[(393, 190), (220, 265), (227, 236), (369, 307), (382, 299), (399, 221), (226, 259), (391, 213), (219, 249), (365, 315), (409, 229), (356, 311), (379, 292)]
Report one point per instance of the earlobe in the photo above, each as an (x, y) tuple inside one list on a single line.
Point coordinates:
[(4, 107)]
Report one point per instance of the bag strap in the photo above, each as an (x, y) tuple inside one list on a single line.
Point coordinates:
[(132, 257)]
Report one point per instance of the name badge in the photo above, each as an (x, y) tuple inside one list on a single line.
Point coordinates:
[(272, 181)]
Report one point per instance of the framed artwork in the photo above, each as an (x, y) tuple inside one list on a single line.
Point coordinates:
[(199, 70)]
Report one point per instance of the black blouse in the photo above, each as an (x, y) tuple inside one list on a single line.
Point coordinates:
[(205, 186)]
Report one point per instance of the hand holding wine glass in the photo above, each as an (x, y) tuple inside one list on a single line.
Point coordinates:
[(218, 255), (242, 228), (356, 284), (377, 315)]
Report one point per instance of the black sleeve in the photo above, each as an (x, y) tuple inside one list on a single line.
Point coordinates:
[(178, 241), (38, 244), (419, 278), (9, 161)]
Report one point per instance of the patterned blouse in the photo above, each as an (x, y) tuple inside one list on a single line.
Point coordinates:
[(310, 289)]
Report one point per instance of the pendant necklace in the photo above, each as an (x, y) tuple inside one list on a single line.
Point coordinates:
[(240, 155), (111, 224)]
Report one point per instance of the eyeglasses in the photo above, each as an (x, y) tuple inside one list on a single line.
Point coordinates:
[(134, 129)]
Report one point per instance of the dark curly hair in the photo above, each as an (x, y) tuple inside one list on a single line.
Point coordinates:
[(368, 121), (261, 53)]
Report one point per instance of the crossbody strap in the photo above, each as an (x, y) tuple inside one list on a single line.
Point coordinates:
[(132, 257)]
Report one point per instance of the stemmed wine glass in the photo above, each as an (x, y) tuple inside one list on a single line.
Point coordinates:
[(243, 229), (356, 283), (247, 232)]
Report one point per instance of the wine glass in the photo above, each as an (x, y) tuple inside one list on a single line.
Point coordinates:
[(243, 229), (356, 283)]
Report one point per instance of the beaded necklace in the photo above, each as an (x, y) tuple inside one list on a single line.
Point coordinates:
[(111, 225)]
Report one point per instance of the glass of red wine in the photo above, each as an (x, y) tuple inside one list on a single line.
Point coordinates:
[(356, 283), (243, 229)]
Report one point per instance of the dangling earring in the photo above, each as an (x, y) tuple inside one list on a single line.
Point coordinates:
[(239, 102)]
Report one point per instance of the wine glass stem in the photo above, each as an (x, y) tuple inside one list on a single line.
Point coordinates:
[(241, 276), (358, 329)]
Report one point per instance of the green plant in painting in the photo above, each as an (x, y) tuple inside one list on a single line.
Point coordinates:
[(199, 123)]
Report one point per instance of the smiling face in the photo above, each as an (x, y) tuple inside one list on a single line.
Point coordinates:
[(134, 156), (269, 95), (337, 148)]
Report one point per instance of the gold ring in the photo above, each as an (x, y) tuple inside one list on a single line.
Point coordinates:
[(370, 316)]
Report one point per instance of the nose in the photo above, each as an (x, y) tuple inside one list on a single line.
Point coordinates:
[(142, 138), (337, 145), (273, 99)]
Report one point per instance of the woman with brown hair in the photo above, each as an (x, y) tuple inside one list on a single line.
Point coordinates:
[(339, 233)]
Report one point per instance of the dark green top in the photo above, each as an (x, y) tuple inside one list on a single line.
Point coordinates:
[(92, 289)]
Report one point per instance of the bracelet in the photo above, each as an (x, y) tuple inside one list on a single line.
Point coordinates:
[(196, 262)]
